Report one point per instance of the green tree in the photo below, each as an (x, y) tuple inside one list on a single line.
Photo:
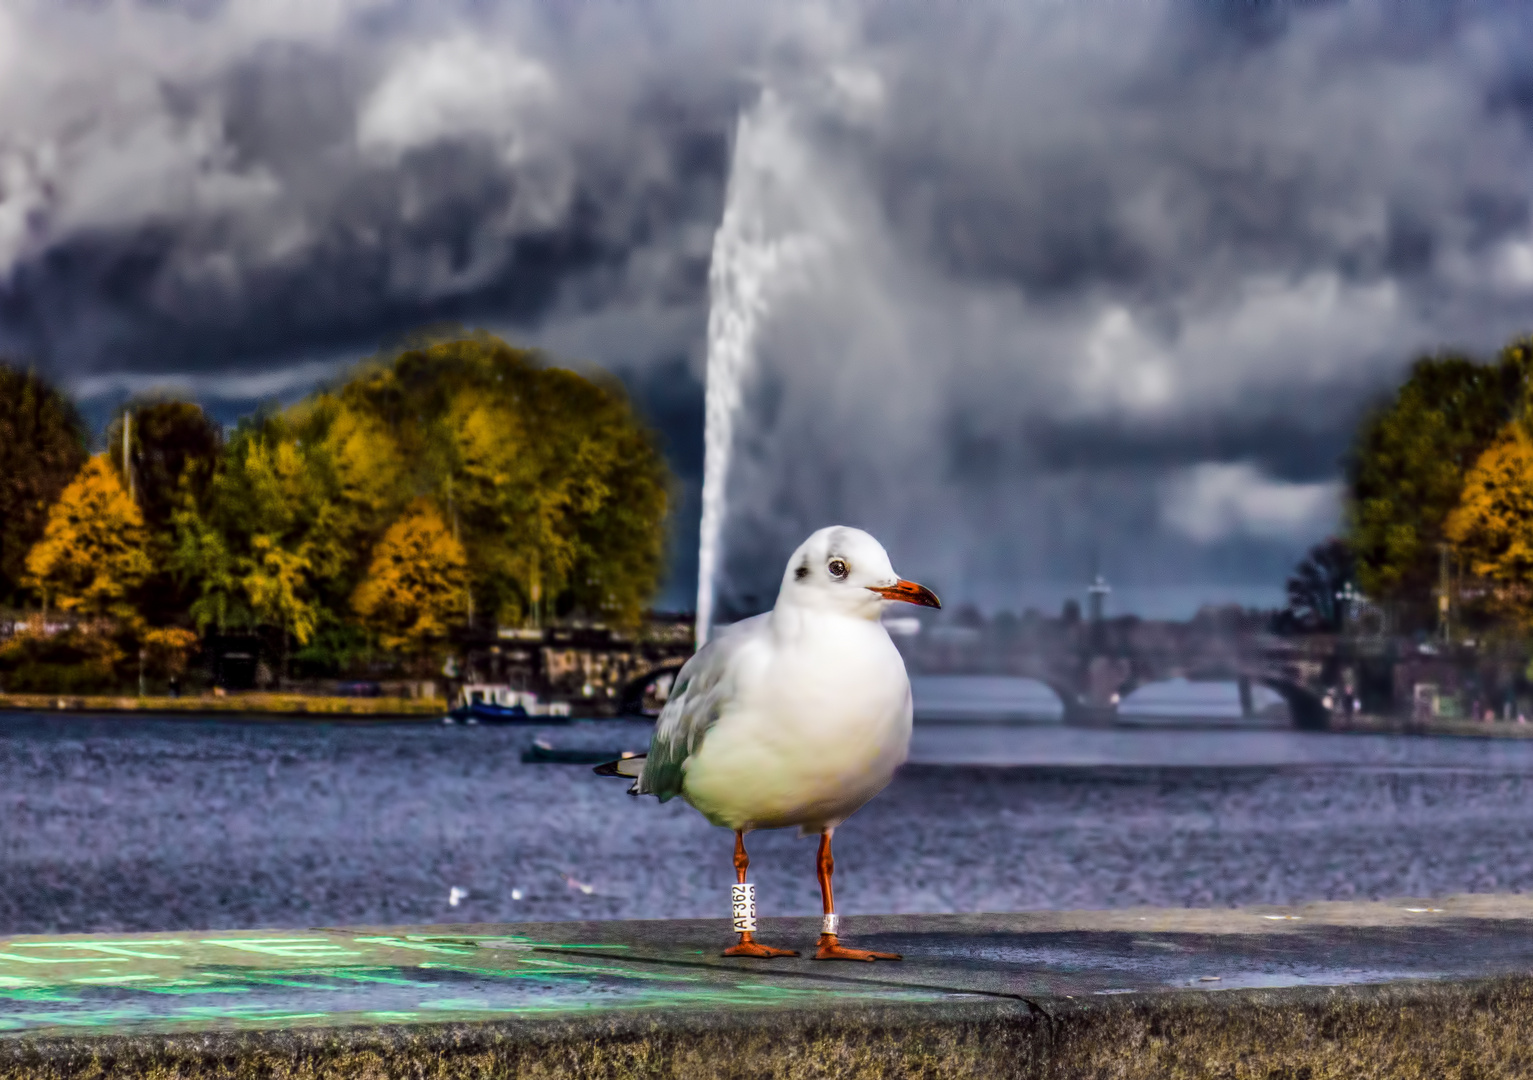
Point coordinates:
[(620, 538), (276, 581), (173, 453), (1406, 470), (174, 450), (253, 557), (416, 588), (555, 491), (1326, 570), (42, 446), (208, 571), (92, 555)]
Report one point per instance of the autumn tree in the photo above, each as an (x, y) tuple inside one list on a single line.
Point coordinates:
[(554, 490), (83, 659), (416, 587), (92, 555), (249, 559), (557, 491), (276, 580), (1407, 467), (42, 446), (1491, 529), (299, 499), (168, 650)]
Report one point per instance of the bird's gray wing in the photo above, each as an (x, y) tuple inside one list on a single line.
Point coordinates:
[(702, 687)]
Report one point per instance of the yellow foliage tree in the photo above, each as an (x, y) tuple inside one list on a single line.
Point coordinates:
[(275, 578), (416, 588), (1491, 529), (168, 649), (94, 548), (562, 491)]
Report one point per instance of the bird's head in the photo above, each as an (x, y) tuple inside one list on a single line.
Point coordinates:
[(845, 570)]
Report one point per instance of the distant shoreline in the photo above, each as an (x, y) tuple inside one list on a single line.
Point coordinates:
[(287, 705), (321, 707), (1369, 724)]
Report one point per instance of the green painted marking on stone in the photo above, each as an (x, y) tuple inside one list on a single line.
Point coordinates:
[(90, 1018), (41, 993), (365, 975), (547, 967), (212, 1012), (278, 979), (368, 974), (184, 987), (454, 948), (134, 949), (288, 947)]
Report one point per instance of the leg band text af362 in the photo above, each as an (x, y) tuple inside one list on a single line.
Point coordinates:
[(742, 901)]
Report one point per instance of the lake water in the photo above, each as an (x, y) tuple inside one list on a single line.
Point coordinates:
[(118, 824), (1180, 748), (1174, 702)]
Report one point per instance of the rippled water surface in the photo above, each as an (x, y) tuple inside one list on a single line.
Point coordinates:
[(110, 824)]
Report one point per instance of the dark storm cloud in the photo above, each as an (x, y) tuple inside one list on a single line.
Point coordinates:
[(1053, 282), (320, 187)]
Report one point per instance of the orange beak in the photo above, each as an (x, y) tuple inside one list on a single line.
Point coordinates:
[(909, 592)]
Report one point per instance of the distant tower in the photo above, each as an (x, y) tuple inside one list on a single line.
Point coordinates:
[(1096, 602)]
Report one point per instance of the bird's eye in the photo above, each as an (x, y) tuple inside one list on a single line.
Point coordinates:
[(838, 568)]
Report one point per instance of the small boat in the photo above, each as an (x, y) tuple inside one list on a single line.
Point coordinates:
[(484, 712), (496, 704), (541, 753)]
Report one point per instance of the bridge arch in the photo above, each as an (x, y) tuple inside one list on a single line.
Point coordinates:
[(991, 698), (1304, 705)]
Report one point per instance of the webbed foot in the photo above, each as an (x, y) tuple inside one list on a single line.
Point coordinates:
[(748, 946), (831, 949)]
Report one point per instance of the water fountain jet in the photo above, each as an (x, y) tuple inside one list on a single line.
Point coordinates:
[(756, 250)]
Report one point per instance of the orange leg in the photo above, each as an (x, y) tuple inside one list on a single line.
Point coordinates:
[(748, 945), (830, 948)]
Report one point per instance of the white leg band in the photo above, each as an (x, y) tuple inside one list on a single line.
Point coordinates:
[(828, 925), (742, 899)]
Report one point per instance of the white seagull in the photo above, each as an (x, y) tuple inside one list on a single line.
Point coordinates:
[(798, 716)]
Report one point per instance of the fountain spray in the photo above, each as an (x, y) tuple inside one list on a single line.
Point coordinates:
[(754, 255)]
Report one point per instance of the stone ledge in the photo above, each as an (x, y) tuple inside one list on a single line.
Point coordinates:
[(1406, 989), (1473, 1029)]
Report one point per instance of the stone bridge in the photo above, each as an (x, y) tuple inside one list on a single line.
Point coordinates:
[(1090, 665), (1090, 687), (1088, 675)]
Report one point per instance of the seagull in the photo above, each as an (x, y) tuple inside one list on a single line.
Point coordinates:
[(796, 717)]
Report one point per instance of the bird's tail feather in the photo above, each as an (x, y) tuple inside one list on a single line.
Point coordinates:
[(629, 765)]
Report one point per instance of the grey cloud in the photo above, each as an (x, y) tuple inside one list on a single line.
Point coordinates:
[(246, 215), (1125, 257), (1063, 256)]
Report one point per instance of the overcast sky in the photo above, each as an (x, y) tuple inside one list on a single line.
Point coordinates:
[(1035, 286)]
